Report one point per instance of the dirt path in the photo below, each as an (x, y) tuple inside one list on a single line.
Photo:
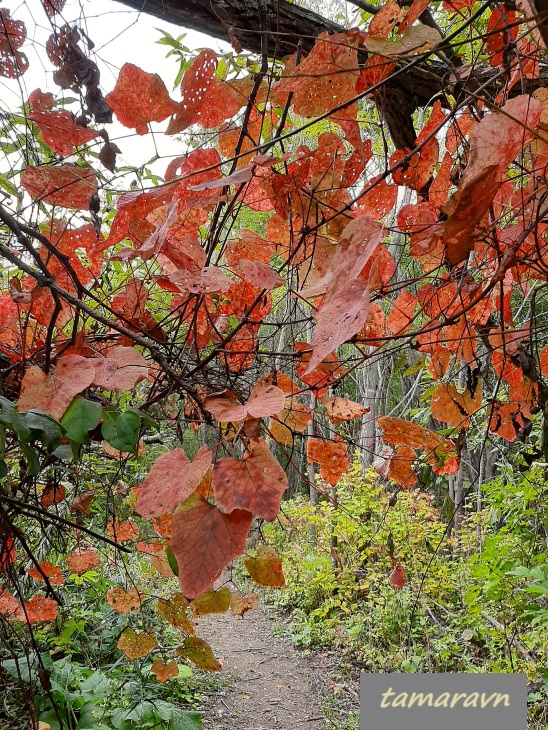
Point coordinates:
[(269, 686)]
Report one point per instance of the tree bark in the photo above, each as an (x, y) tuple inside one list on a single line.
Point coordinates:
[(286, 25)]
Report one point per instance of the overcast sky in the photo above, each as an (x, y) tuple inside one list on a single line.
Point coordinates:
[(120, 35)]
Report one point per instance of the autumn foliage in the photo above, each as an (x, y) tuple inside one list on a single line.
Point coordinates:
[(121, 302)]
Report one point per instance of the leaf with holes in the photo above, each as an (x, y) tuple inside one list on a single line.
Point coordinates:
[(52, 573), (139, 98), (66, 186), (122, 601), (331, 457), (38, 610), (341, 409), (137, 645)]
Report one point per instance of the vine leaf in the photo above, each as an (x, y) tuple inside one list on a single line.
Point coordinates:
[(66, 186), (164, 670), (137, 645), (331, 456), (37, 610), (121, 369), (200, 653), (205, 541), (52, 573), (122, 601), (171, 480), (211, 602), (139, 98), (266, 568), (255, 483), (53, 393)]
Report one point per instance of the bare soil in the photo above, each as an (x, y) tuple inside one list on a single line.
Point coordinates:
[(269, 686)]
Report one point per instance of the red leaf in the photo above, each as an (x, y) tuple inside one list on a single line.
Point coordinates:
[(494, 143), (53, 495), (67, 186), (7, 553), (53, 393), (260, 275), (37, 610), (206, 100), (401, 312), (171, 480), (122, 531), (60, 132), (384, 21), (331, 456), (320, 378), (8, 604), (397, 577), (255, 483), (325, 79), (264, 400), (120, 370), (53, 6), (440, 452), (380, 200), (357, 243), (339, 319), (80, 561), (139, 98), (13, 33), (205, 541)]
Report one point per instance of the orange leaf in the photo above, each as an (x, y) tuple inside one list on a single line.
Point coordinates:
[(454, 408), (122, 601), (211, 602), (171, 480), (255, 483), (205, 541), (50, 571), (66, 186), (240, 605), (164, 670), (37, 610), (139, 98), (331, 456), (80, 561), (53, 495), (401, 467), (173, 610), (200, 653), (121, 369), (136, 645), (53, 393), (440, 452), (342, 409), (266, 568), (122, 531)]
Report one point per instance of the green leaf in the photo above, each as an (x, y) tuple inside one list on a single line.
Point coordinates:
[(81, 417), (121, 432), (3, 469), (51, 433), (172, 561)]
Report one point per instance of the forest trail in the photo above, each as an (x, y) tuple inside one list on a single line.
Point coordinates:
[(269, 685)]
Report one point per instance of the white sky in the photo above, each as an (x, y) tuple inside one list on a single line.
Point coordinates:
[(120, 35)]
